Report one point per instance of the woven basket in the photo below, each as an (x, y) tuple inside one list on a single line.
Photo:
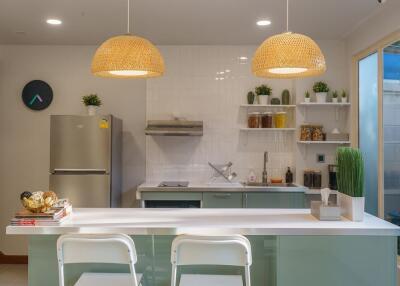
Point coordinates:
[(288, 50), (127, 53)]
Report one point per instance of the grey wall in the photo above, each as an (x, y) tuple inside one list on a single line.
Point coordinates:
[(24, 143)]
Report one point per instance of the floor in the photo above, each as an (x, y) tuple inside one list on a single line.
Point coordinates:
[(13, 275)]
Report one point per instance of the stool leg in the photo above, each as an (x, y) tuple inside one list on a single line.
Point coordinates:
[(173, 275), (247, 275)]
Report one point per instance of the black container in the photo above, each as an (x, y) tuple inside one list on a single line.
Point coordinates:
[(332, 169), (308, 179), (316, 180)]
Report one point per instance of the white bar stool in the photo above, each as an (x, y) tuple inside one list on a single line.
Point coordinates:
[(112, 248), (234, 250)]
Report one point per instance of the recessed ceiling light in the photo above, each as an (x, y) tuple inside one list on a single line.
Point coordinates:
[(243, 58), (263, 23), (54, 21)]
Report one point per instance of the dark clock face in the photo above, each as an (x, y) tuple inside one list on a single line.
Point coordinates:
[(37, 95)]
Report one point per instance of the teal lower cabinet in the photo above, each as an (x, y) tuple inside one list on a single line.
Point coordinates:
[(277, 261), (274, 200), (222, 200)]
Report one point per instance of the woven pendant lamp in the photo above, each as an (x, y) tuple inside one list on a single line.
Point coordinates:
[(127, 56), (288, 55)]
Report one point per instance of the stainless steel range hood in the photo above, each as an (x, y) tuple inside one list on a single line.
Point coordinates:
[(174, 128)]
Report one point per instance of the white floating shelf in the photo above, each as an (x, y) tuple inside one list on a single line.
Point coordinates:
[(268, 105), (324, 142), (267, 129), (338, 104)]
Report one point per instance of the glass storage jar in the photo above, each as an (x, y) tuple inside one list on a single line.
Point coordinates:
[(305, 132), (280, 119), (317, 133), (253, 120), (266, 120)]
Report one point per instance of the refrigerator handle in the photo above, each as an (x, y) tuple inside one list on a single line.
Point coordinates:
[(81, 171)]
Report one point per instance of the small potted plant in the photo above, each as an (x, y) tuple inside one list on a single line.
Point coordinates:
[(344, 96), (335, 95), (92, 102), (307, 97), (321, 90), (263, 92), (350, 179), (251, 96)]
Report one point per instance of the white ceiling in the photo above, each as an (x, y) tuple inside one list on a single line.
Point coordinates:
[(176, 22)]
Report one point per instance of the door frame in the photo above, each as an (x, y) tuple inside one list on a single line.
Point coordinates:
[(377, 47)]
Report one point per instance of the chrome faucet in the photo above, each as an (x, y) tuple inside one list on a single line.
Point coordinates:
[(264, 173)]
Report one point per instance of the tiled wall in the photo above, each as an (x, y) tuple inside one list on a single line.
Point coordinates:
[(194, 88)]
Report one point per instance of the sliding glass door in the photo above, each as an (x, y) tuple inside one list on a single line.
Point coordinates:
[(377, 105), (368, 127), (391, 131)]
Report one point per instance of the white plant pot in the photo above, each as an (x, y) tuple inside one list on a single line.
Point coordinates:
[(352, 207), (334, 100), (92, 110), (321, 96), (263, 99), (307, 99), (344, 99)]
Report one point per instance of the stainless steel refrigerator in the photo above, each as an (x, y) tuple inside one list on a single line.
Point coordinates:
[(85, 159)]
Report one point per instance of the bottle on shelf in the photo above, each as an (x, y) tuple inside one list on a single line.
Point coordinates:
[(289, 176)]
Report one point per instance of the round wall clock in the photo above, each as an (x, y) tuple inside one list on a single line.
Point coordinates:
[(37, 95)]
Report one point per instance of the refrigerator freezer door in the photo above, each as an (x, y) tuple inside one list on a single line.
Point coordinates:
[(83, 190), (80, 143)]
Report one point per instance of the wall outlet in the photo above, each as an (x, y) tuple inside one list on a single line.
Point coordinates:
[(320, 158)]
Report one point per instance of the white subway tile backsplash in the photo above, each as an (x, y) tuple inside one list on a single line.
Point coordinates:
[(189, 89)]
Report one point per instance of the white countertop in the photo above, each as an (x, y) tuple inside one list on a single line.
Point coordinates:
[(224, 187), (208, 221)]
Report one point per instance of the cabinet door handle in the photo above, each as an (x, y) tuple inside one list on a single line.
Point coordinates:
[(222, 196)]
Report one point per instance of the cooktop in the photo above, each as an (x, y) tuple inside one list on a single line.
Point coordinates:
[(174, 184)]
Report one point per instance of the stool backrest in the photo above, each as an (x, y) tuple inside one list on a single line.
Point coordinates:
[(232, 250), (107, 248)]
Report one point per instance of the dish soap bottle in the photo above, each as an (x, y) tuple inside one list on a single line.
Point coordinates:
[(289, 176), (251, 177)]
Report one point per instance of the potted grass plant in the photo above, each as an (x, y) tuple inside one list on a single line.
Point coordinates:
[(321, 90), (350, 179), (307, 98), (335, 95), (263, 92), (344, 96), (92, 102)]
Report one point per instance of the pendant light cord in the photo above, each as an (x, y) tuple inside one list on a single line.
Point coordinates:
[(128, 16), (287, 15)]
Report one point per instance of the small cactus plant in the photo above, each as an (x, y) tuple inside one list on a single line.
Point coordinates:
[(285, 97), (251, 96)]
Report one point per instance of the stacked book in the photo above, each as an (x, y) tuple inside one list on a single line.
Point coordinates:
[(55, 217)]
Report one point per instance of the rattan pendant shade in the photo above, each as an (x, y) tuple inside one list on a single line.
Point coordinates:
[(288, 55), (127, 56)]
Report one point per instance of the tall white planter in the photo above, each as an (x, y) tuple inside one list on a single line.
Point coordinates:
[(92, 110), (352, 207), (321, 96), (263, 99)]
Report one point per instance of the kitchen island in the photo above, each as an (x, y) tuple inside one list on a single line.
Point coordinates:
[(290, 247)]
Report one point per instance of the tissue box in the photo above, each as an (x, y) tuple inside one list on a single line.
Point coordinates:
[(322, 212)]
